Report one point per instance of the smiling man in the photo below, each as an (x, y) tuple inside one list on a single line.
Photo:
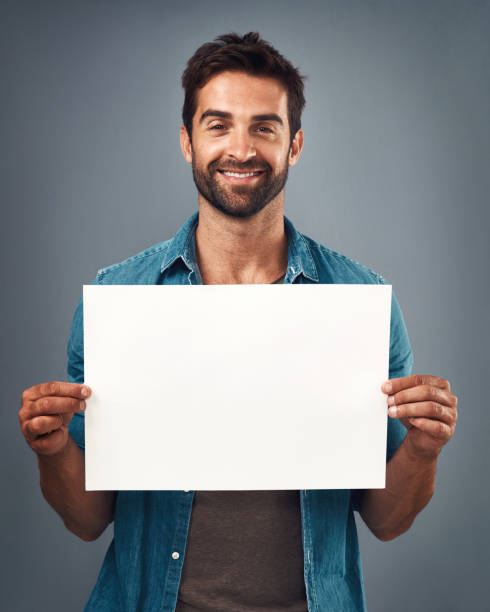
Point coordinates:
[(239, 550)]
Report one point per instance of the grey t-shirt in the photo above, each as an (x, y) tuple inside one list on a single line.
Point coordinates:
[(244, 553)]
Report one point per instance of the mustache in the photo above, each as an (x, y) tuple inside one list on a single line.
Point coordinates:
[(250, 166)]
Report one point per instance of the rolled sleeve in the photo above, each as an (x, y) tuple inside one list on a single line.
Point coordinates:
[(401, 362), (75, 370)]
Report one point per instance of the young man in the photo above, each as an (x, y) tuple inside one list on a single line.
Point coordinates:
[(245, 550)]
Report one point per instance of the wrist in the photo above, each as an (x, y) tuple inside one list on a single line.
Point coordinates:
[(415, 454)]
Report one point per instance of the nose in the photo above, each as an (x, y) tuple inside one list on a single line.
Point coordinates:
[(240, 145)]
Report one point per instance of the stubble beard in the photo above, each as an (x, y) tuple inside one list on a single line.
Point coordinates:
[(236, 200)]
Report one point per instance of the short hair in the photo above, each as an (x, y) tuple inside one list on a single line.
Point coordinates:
[(250, 54)]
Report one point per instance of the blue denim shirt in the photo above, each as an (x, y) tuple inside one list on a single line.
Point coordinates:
[(141, 570)]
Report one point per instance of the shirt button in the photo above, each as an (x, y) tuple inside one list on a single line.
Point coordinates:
[(175, 555)]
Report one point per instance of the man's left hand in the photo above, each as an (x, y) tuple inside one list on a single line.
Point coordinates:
[(427, 408)]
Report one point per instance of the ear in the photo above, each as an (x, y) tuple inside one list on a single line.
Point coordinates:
[(185, 144), (296, 147)]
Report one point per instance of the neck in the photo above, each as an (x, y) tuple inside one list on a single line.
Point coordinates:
[(232, 250)]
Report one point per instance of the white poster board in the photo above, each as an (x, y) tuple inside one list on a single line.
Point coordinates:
[(236, 387)]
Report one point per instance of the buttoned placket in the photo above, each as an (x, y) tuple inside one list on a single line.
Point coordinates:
[(178, 552)]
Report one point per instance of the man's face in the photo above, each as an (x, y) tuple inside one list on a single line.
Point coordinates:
[(240, 151)]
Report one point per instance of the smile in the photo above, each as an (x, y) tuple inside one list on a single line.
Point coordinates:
[(240, 175)]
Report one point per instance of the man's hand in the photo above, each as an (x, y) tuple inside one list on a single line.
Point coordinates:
[(46, 411), (427, 408)]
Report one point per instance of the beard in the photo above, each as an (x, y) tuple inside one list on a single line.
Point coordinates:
[(239, 201)]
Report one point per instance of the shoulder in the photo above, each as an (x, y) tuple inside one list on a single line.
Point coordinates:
[(141, 267), (335, 267)]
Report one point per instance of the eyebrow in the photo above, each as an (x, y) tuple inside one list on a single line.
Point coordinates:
[(268, 117), (225, 115)]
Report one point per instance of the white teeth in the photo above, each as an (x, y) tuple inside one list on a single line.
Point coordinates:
[(240, 175)]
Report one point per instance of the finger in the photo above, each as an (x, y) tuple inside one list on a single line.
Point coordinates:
[(436, 429), (42, 425), (66, 417), (56, 388), (398, 384), (52, 405), (424, 393), (431, 410)]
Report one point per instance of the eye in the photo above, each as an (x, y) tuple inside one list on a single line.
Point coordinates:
[(264, 129), (217, 126)]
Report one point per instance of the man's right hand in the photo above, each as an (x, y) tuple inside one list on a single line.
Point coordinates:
[(46, 411)]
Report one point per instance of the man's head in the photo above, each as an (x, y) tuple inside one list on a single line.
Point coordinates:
[(242, 115)]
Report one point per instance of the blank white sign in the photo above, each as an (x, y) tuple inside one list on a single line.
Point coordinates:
[(235, 387)]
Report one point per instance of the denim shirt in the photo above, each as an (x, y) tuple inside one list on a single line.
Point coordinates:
[(142, 568)]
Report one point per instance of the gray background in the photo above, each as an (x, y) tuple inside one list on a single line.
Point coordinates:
[(394, 174)]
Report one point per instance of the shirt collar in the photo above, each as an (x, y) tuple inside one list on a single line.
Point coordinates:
[(300, 260), (182, 245)]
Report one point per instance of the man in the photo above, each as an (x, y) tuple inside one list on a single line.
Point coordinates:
[(244, 550)]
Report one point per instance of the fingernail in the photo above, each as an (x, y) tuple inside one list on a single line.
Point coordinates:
[(392, 411), (387, 387), (85, 391), (82, 405), (391, 399)]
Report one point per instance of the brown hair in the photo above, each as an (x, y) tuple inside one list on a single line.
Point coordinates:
[(250, 54)]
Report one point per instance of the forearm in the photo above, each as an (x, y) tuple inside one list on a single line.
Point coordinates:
[(62, 476), (410, 481)]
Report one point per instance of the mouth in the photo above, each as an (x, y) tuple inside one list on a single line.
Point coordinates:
[(233, 176)]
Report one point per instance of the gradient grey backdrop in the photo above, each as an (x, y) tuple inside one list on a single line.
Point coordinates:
[(395, 173)]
